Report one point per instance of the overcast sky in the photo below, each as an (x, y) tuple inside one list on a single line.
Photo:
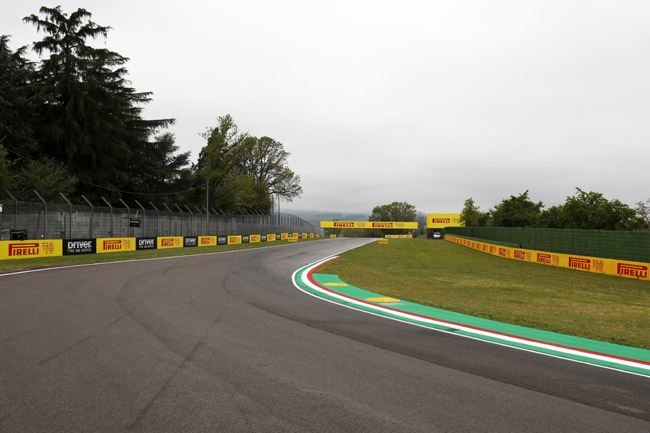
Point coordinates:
[(428, 102)]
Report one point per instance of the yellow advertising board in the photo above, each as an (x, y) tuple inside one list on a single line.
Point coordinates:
[(255, 238), (270, 238), (383, 241), (311, 236), (399, 236), (10, 250), (170, 242), (304, 236), (442, 220), (621, 268), (207, 241), (332, 236), (284, 236), (292, 239), (234, 240), (115, 245), (409, 225)]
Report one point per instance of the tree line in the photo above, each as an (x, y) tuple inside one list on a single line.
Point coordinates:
[(583, 210), (72, 123)]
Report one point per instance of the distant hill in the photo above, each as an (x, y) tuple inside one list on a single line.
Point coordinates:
[(314, 217)]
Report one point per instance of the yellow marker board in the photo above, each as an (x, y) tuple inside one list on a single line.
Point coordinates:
[(30, 249), (442, 220)]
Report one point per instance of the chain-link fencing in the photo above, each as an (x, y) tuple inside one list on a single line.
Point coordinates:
[(29, 220)]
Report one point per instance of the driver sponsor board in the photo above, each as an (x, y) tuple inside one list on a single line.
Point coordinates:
[(621, 268), (10, 250), (409, 225), (115, 245), (79, 246), (145, 243)]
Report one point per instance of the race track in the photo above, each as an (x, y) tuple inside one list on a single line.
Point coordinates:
[(225, 343)]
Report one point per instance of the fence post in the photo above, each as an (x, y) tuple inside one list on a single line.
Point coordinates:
[(15, 206), (157, 218), (217, 214), (70, 221), (201, 221), (44, 212), (128, 211), (181, 211), (111, 207), (144, 217), (191, 219), (90, 228), (170, 219)]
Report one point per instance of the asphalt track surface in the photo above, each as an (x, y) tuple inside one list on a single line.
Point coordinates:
[(226, 343)]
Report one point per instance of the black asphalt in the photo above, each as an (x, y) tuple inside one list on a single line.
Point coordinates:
[(226, 343)]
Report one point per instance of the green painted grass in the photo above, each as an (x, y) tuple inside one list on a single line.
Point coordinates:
[(456, 278), (25, 264)]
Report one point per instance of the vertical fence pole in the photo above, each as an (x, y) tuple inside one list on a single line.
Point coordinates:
[(181, 211), (111, 208), (44, 211), (144, 217), (70, 220), (15, 206), (191, 219), (157, 218), (201, 233), (170, 219), (128, 211), (90, 228)]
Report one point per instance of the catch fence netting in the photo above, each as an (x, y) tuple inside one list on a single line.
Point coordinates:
[(611, 244), (62, 221)]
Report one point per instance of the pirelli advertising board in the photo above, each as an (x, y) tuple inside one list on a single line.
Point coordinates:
[(170, 242), (207, 241), (442, 220), (621, 268), (409, 225), (115, 245), (30, 249)]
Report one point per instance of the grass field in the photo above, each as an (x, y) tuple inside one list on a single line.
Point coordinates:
[(455, 278), (24, 264)]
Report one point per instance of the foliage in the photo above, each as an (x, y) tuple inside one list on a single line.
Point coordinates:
[(88, 116), (395, 211), (243, 171), (46, 176), (517, 211), (16, 111), (471, 216), (591, 210)]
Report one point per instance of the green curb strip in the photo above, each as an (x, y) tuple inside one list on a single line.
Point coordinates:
[(331, 288)]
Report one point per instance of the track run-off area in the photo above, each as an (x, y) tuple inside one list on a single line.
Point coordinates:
[(226, 342)]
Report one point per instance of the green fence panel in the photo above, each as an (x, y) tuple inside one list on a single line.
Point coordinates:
[(613, 244)]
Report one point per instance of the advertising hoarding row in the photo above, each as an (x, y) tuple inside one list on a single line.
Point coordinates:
[(10, 250), (621, 268)]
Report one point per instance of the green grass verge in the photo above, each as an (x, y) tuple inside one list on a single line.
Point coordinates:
[(455, 278), (25, 264)]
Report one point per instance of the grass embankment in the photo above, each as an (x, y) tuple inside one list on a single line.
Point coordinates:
[(25, 264), (455, 278)]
